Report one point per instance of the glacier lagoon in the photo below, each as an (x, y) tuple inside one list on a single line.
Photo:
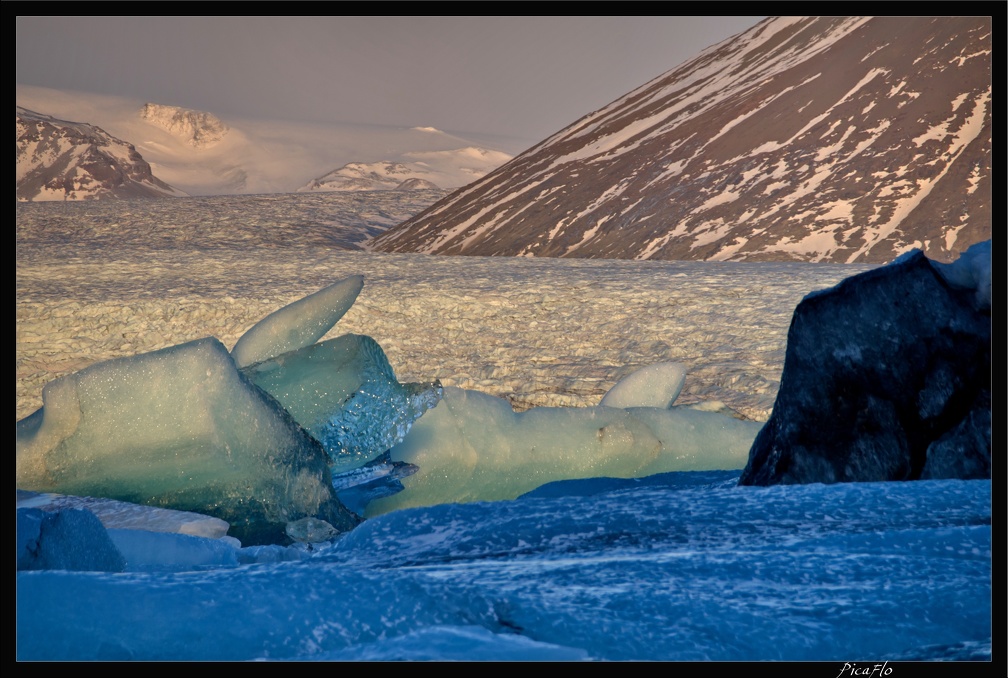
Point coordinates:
[(680, 566)]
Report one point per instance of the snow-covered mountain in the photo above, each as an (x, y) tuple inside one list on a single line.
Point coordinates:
[(423, 170), (815, 139), (198, 128), (201, 153), (64, 160)]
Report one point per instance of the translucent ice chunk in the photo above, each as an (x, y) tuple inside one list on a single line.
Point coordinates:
[(474, 447), (123, 515), (344, 392), (179, 428), (170, 551), (656, 385), (299, 324), (310, 530)]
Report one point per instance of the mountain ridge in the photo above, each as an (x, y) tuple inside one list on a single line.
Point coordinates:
[(66, 160), (418, 170), (813, 139), (199, 129), (198, 153)]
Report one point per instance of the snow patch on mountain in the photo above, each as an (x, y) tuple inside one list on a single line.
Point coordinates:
[(420, 170), (196, 128)]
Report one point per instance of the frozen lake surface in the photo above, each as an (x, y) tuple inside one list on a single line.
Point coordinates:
[(681, 566)]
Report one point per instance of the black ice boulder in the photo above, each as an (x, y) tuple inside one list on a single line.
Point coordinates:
[(887, 376)]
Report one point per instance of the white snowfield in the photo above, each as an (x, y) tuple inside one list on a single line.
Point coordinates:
[(424, 169)]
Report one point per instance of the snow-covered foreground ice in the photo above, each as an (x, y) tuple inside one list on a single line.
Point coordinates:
[(678, 566), (683, 566)]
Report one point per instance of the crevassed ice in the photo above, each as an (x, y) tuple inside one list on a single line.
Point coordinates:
[(345, 394), (377, 416)]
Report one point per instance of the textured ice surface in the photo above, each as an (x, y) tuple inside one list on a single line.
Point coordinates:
[(972, 270), (474, 447), (536, 332), (345, 394), (692, 568), (457, 643)]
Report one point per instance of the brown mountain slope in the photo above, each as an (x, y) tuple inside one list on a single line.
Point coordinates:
[(815, 139), (63, 160)]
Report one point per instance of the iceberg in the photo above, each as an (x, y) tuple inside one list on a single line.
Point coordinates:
[(474, 447), (345, 394), (71, 539), (255, 436), (184, 428), (299, 324), (250, 436), (147, 551), (656, 385), (887, 376), (178, 428)]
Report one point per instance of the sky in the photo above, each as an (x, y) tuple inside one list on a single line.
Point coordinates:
[(520, 78)]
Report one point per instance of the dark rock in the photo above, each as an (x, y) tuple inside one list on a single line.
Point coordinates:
[(67, 539), (887, 376)]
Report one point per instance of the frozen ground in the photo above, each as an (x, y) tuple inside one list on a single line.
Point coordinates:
[(101, 280)]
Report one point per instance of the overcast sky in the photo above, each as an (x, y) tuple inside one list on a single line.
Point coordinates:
[(518, 77)]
